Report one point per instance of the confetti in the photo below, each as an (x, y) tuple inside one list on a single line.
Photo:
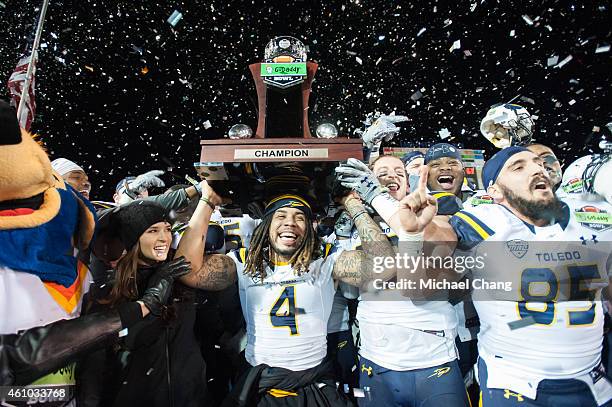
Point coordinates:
[(207, 124), (444, 133), (552, 60), (565, 61), (421, 31), (602, 48), (456, 45), (527, 19), (174, 18), (416, 95)]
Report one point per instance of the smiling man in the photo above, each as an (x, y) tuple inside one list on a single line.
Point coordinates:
[(391, 173), (73, 174), (286, 285), (446, 171)]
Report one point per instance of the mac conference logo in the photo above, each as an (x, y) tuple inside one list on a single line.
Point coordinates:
[(518, 247)]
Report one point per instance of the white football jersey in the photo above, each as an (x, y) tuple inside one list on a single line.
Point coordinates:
[(400, 335), (549, 337), (287, 314), (339, 317), (238, 230)]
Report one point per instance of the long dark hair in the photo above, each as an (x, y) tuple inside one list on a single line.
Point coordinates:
[(259, 251), (124, 286)]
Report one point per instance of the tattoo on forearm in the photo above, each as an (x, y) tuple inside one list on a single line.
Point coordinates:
[(217, 273)]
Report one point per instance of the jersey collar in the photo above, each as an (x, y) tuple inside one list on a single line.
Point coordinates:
[(562, 222)]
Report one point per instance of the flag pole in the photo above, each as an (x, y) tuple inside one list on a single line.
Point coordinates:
[(39, 29)]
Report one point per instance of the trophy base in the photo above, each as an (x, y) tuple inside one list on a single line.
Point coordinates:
[(250, 172)]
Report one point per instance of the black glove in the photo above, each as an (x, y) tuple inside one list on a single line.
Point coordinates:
[(160, 284)]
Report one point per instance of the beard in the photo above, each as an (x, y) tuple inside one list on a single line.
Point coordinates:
[(550, 210), (289, 252)]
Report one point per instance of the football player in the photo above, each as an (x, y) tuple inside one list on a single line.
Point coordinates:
[(286, 283), (541, 344), (407, 354)]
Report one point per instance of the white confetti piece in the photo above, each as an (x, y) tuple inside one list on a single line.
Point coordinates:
[(565, 61), (512, 32), (602, 48), (207, 124), (456, 45), (174, 18), (444, 133), (359, 61), (552, 60), (421, 31), (527, 19)]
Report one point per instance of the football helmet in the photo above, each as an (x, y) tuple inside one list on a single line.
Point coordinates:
[(507, 125)]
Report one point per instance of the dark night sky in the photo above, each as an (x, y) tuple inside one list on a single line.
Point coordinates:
[(120, 91)]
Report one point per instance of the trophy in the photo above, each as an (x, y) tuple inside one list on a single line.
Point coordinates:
[(281, 156)]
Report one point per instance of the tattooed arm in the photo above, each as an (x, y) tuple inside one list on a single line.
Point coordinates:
[(359, 267), (217, 272), (209, 272)]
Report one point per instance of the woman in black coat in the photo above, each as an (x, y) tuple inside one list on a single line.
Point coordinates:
[(157, 362)]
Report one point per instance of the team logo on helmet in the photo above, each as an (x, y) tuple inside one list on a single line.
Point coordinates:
[(594, 218), (518, 247)]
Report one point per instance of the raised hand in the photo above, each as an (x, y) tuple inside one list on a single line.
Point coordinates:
[(418, 209), (357, 176), (160, 284), (210, 194)]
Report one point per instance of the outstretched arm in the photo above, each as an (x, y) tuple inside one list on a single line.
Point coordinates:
[(358, 267), (209, 272), (419, 221)]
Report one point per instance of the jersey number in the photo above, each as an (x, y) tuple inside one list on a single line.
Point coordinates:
[(232, 234), (545, 315), (282, 313)]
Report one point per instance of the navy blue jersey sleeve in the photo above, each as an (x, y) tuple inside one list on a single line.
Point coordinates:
[(448, 204), (469, 229)]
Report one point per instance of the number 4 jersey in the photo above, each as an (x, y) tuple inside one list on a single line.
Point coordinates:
[(550, 325), (287, 314)]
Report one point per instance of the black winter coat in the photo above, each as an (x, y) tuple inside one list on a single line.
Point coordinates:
[(157, 364)]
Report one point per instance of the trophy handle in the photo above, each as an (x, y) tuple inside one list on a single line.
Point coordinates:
[(260, 86)]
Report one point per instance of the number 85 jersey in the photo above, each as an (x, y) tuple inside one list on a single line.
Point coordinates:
[(550, 324), (287, 314)]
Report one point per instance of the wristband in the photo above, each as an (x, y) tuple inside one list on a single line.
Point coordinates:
[(358, 214), (410, 243), (385, 205), (198, 188), (203, 199)]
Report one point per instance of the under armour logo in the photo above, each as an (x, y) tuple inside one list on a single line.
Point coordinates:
[(508, 394), (439, 372), (368, 370), (593, 239)]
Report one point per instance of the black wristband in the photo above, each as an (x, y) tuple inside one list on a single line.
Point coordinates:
[(130, 313)]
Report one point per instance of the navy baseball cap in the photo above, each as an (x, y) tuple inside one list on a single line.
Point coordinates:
[(442, 150)]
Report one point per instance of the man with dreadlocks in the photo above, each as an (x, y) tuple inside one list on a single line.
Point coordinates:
[(286, 283)]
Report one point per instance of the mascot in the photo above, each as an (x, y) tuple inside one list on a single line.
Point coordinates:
[(45, 225)]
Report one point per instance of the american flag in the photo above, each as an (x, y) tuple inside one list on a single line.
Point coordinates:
[(16, 83)]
